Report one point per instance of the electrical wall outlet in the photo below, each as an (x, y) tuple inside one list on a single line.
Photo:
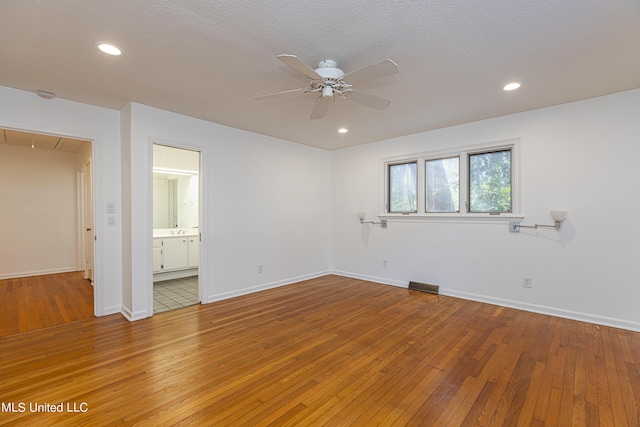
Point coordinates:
[(384, 263), (526, 282), (259, 268)]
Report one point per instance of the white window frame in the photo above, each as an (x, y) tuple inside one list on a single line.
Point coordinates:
[(515, 145), (388, 166)]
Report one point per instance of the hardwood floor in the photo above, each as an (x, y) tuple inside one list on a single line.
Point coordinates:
[(330, 351), (29, 303)]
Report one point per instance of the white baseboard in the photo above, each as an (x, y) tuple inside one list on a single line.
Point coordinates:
[(132, 316), (264, 286), (374, 279), (542, 309), (106, 311), (38, 272), (550, 311)]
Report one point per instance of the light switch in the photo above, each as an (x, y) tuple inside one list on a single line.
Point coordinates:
[(111, 220), (111, 208)]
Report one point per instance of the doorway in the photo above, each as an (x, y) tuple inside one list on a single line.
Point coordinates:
[(85, 215), (176, 227), (42, 225)]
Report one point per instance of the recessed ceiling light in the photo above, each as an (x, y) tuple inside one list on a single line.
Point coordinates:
[(343, 130), (512, 86), (109, 49)]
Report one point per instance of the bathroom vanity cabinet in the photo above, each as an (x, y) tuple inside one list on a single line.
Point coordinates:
[(175, 253), (194, 251)]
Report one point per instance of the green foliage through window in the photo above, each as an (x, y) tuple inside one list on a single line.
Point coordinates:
[(490, 182), (469, 182)]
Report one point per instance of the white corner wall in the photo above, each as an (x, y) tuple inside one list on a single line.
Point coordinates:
[(580, 157), (265, 202), (26, 111)]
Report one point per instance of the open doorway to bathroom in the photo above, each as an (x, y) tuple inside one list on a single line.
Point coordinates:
[(176, 227)]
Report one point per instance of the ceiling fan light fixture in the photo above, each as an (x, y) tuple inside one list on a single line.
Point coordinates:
[(512, 86), (327, 80), (110, 49)]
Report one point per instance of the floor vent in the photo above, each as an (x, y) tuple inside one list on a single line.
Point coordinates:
[(424, 287)]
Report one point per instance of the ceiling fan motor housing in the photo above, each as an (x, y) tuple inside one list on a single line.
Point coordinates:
[(328, 69)]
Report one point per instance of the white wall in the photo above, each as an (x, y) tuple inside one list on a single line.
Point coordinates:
[(292, 209), (26, 111), (265, 202), (160, 202), (38, 219), (188, 201), (580, 157)]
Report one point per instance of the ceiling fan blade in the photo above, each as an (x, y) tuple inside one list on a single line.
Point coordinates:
[(368, 100), (284, 93), (375, 71), (320, 108), (295, 63)]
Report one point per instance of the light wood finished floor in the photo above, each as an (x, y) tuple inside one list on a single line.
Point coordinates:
[(29, 303), (330, 351)]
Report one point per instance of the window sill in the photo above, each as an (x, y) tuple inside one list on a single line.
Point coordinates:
[(464, 218)]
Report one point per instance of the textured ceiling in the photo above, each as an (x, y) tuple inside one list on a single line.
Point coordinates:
[(209, 59)]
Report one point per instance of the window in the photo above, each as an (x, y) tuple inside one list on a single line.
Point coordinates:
[(403, 186), (443, 185), (479, 181), (490, 182)]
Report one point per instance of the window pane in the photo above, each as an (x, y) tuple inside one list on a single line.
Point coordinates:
[(443, 185), (402, 188), (490, 182)]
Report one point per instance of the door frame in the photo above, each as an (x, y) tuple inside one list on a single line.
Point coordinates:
[(85, 226), (97, 285), (203, 269), (81, 121)]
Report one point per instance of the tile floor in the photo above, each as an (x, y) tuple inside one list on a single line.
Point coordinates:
[(176, 293)]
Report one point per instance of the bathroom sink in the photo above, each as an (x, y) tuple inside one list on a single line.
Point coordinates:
[(174, 232)]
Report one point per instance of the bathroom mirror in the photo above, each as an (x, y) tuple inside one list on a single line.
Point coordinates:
[(175, 187)]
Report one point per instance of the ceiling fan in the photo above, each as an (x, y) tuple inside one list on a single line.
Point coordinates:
[(328, 81)]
